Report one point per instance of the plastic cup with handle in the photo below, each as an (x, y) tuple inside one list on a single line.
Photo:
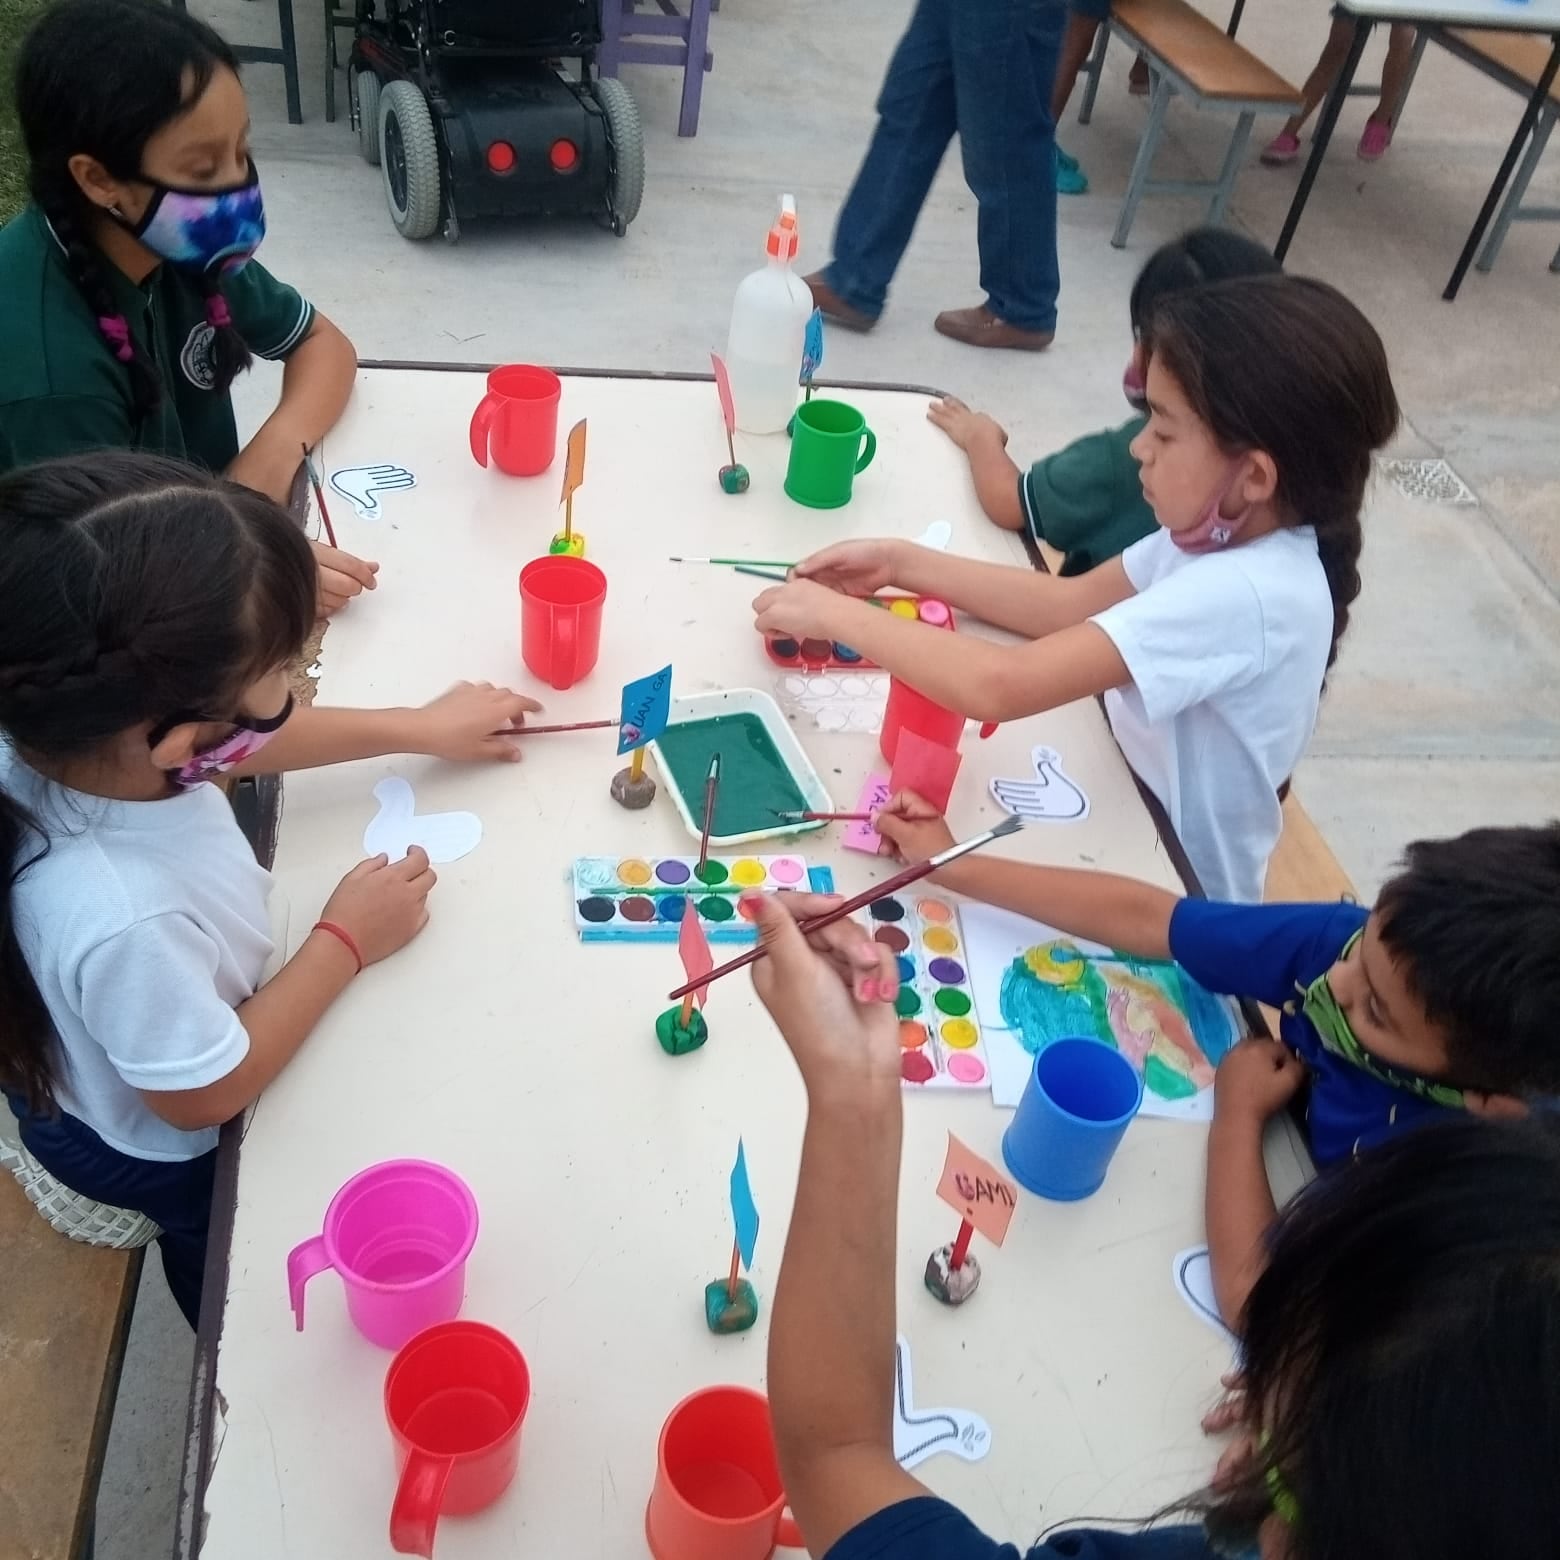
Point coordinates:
[(561, 598), (399, 1234), (830, 444), (516, 422), (907, 710), (1073, 1113), (717, 1493), (455, 1397)]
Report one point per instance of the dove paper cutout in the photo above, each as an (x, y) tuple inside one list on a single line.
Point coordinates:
[(397, 826), (1193, 1275), (922, 1433), (362, 485), (936, 536), (1051, 795)]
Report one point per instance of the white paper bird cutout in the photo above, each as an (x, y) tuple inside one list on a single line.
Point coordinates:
[(397, 826), (922, 1433), (1051, 795), (362, 485), (937, 536)]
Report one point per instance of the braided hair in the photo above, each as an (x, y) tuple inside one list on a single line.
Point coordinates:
[(100, 78), (131, 588)]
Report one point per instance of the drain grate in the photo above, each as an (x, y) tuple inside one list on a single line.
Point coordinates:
[(1430, 480)]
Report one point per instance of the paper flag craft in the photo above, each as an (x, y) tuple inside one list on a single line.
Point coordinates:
[(646, 707), (1051, 795), (694, 947), (574, 466), (977, 1191), (744, 1211), (812, 347), (919, 1434), (397, 826), (927, 768), (362, 485), (723, 388)]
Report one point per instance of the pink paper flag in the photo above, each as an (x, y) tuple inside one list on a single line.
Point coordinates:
[(927, 768), (862, 836), (723, 388), (976, 1190), (694, 947)]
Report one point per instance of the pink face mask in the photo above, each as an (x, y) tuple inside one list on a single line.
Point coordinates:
[(1213, 530), (245, 740)]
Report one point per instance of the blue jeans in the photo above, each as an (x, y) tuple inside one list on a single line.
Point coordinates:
[(175, 1194), (983, 69)]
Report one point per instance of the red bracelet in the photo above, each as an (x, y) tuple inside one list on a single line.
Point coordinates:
[(345, 938)]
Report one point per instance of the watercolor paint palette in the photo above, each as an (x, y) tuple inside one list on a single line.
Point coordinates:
[(644, 898), (941, 1046), (816, 655)]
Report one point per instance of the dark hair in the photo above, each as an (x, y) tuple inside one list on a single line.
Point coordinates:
[(1287, 365), (132, 588), (1474, 925), (1402, 1353), (101, 78), (1204, 254)]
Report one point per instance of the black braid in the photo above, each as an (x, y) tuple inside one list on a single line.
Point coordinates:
[(230, 354), (86, 271)]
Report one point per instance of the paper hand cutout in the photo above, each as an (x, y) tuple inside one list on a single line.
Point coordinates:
[(1050, 795), (397, 826), (361, 485), (919, 1435), (1193, 1275)]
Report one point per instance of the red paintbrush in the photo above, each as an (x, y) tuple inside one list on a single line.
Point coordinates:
[(859, 901), (319, 498), (711, 782), (541, 731), (824, 817)]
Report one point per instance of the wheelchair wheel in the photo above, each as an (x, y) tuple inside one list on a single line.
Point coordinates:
[(363, 95), (628, 150), (409, 154)]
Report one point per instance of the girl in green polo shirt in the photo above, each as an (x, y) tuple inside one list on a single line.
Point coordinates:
[(129, 300)]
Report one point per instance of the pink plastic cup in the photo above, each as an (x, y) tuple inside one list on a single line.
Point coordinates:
[(399, 1234)]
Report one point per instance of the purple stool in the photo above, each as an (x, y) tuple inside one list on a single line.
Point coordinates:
[(671, 38)]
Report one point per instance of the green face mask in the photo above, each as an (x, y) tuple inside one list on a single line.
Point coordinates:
[(1321, 1007)]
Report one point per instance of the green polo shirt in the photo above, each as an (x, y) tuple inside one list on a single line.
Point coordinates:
[(1086, 500), (62, 390)]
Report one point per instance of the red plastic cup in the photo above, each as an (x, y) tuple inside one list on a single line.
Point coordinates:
[(517, 420), (455, 1397), (908, 710), (560, 617), (717, 1492)]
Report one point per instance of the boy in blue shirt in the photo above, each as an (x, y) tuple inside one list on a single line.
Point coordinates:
[(1441, 999)]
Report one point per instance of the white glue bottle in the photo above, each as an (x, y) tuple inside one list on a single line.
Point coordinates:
[(768, 322)]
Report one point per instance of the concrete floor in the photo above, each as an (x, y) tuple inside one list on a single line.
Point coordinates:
[(1443, 710)]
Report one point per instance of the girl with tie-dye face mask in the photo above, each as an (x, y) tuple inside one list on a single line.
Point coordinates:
[(130, 297)]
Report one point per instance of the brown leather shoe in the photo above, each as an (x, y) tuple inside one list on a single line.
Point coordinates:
[(979, 327), (835, 307)]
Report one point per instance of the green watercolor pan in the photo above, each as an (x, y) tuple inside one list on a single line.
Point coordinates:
[(763, 768)]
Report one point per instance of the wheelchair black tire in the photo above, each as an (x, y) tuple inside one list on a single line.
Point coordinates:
[(409, 153), (363, 93)]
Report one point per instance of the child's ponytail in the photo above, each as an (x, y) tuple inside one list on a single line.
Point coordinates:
[(230, 354), (1288, 365)]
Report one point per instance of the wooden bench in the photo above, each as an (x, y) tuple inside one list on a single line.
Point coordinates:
[(64, 1316), (1302, 866), (1187, 56)]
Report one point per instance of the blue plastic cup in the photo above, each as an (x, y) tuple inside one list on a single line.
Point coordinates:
[(1075, 1108)]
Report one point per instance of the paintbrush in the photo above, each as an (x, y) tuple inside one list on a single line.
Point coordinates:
[(761, 574), (746, 563), (711, 783), (859, 901), (823, 817), (319, 496), (542, 731)]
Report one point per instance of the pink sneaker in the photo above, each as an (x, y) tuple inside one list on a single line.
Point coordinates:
[(1374, 142), (1282, 149)]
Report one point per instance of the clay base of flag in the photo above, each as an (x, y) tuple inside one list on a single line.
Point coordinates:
[(952, 1285), (631, 790), (677, 1039), (722, 1314)]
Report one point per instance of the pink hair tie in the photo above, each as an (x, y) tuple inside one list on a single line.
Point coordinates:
[(217, 315), (116, 330)]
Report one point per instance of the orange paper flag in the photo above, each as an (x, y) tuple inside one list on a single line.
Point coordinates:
[(574, 467), (977, 1191), (694, 947)]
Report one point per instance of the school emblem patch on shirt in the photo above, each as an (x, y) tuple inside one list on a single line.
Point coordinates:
[(197, 359)]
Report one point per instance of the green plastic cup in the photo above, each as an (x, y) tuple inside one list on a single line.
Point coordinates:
[(830, 443)]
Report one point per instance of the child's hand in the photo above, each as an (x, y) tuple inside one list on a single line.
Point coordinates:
[(963, 426), (798, 608), (912, 828), (460, 725), (853, 568), (341, 577), (382, 905), (1256, 1079), (831, 995)]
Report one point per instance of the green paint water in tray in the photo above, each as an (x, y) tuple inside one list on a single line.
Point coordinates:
[(755, 780)]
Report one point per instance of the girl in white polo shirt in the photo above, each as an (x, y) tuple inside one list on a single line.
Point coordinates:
[(1209, 639)]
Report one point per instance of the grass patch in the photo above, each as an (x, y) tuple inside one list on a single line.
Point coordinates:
[(16, 16)]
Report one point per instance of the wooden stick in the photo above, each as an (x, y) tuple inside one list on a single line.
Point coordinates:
[(636, 765), (859, 901), (961, 1245), (685, 1017), (542, 731), (568, 518), (736, 1262)]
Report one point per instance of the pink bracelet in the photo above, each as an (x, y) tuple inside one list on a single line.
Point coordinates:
[(345, 938)]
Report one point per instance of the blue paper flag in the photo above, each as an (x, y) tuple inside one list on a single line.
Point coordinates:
[(744, 1211), (812, 347), (646, 705)]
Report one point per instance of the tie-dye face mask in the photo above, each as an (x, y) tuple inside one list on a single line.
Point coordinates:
[(211, 232), (244, 741)]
